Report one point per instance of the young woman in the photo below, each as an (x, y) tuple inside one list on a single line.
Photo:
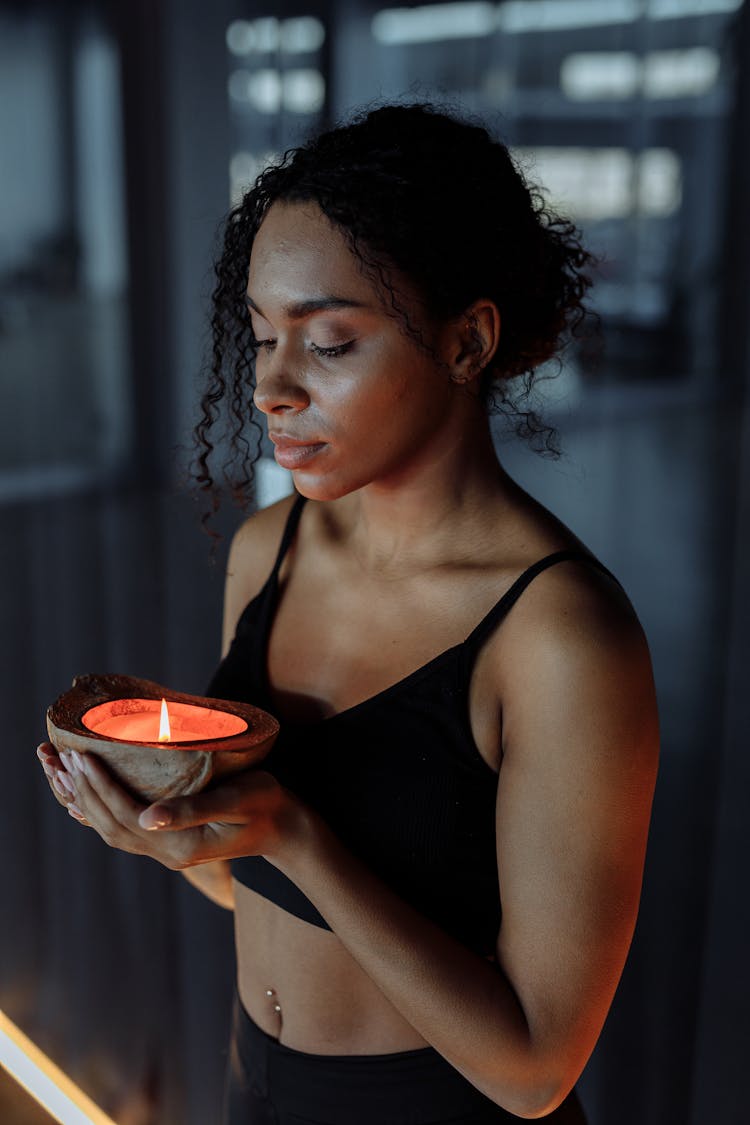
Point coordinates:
[(436, 873)]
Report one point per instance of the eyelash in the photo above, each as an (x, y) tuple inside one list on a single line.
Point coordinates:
[(330, 353)]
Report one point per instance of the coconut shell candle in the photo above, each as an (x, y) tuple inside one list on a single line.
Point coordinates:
[(157, 742)]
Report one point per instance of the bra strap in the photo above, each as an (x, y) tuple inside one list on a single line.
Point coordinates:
[(511, 596), (290, 530)]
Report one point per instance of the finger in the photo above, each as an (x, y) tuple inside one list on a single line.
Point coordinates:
[(48, 758), (77, 815), (230, 803), (46, 752), (92, 778), (60, 790), (90, 804)]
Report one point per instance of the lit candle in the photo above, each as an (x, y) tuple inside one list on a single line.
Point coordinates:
[(156, 742), (149, 721)]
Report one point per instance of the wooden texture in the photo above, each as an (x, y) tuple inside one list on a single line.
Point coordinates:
[(156, 770)]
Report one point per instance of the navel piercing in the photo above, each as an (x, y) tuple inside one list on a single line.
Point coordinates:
[(272, 992)]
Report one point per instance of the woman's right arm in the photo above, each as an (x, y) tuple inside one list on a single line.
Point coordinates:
[(251, 558)]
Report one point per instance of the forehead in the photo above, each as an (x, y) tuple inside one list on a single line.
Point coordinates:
[(298, 252)]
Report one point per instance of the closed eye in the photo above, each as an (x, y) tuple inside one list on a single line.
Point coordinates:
[(331, 352), (337, 349)]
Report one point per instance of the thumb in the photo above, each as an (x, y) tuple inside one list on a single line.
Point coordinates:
[(156, 816), (189, 812)]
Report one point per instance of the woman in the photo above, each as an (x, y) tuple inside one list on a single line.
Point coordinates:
[(466, 699)]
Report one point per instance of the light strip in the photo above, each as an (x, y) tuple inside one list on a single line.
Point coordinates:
[(430, 23), (44, 1080)]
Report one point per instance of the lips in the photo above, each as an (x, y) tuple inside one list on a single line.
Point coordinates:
[(292, 453)]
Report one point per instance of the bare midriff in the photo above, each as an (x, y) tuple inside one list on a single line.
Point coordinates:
[(300, 985)]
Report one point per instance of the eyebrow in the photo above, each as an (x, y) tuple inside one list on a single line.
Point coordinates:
[(298, 310)]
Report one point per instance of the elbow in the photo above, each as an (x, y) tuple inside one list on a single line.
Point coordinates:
[(535, 1101), (539, 1108), (535, 1094)]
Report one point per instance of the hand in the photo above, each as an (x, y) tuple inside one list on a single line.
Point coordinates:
[(59, 780), (248, 814)]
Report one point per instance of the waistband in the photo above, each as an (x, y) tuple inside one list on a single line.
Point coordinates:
[(417, 1087)]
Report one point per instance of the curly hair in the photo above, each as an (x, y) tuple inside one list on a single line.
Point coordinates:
[(434, 197)]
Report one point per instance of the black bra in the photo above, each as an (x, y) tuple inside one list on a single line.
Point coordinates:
[(397, 777)]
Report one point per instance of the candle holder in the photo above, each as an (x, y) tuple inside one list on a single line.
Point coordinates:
[(116, 717)]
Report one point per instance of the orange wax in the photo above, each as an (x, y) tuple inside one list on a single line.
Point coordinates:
[(137, 720)]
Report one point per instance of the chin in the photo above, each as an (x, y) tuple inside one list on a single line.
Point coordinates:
[(323, 488)]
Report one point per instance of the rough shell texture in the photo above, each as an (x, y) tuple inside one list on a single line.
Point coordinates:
[(152, 771)]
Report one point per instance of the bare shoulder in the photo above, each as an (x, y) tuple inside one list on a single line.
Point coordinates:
[(573, 656), (251, 557)]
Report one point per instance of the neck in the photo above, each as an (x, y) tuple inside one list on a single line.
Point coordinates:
[(431, 513)]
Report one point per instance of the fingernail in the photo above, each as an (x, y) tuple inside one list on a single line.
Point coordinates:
[(41, 752), (67, 783), (155, 818), (77, 759), (48, 769), (75, 812), (67, 760), (61, 791)]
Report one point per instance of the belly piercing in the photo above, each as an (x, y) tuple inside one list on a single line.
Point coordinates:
[(277, 1007)]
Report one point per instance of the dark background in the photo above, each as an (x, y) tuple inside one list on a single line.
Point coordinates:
[(124, 130)]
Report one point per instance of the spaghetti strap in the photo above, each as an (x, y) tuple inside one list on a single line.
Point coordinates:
[(477, 637), (290, 529)]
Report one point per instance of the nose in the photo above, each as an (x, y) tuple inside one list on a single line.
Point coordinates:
[(277, 389)]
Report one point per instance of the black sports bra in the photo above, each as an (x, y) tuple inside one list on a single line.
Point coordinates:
[(397, 777)]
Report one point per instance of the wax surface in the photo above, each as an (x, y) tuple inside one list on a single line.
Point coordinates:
[(137, 720)]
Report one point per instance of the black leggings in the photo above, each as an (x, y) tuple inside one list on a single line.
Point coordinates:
[(270, 1084)]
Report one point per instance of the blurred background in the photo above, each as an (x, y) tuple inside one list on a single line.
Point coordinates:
[(125, 131)]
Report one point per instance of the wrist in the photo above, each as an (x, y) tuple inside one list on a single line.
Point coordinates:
[(299, 840)]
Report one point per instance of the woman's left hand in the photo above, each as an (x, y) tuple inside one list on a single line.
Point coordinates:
[(249, 813)]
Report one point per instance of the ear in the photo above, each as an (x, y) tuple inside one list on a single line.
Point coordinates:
[(475, 336)]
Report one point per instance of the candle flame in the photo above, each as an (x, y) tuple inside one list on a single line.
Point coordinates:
[(165, 731)]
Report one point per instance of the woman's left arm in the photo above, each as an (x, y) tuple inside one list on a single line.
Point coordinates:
[(580, 746)]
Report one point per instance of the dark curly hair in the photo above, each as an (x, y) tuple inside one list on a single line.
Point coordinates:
[(436, 198)]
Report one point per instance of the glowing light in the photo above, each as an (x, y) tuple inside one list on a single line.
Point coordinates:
[(679, 9), (44, 1080), (429, 23), (560, 15), (240, 37), (680, 73), (305, 33), (267, 34), (607, 183), (261, 88), (557, 15), (303, 91), (432, 22), (595, 75), (165, 731), (293, 36)]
